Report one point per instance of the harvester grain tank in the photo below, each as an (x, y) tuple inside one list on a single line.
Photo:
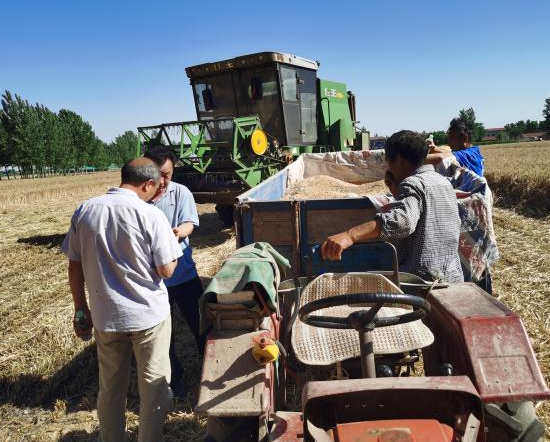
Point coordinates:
[(255, 113)]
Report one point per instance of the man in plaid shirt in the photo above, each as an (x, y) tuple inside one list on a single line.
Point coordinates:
[(422, 221)]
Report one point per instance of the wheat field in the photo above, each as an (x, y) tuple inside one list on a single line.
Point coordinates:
[(48, 378)]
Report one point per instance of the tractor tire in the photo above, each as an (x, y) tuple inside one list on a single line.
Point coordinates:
[(232, 429), (225, 213), (513, 422)]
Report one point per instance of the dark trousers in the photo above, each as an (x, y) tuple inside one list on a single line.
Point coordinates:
[(186, 296)]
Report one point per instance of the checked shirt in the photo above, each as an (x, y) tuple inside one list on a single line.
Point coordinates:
[(424, 225)]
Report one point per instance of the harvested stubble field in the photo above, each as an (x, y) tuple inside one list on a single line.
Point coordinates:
[(48, 378)]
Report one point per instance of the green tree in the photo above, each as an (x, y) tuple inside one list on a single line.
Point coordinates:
[(503, 136), (99, 155), (440, 137), (531, 126), (4, 152), (123, 148), (82, 138), (515, 130), (546, 115), (469, 116), (21, 121)]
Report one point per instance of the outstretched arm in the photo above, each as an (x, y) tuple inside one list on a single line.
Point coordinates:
[(334, 245), (434, 158)]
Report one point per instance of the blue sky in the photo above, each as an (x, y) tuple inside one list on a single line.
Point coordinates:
[(413, 65)]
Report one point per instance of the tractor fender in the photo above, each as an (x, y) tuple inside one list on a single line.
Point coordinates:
[(484, 340)]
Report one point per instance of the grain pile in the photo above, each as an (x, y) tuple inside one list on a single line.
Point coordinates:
[(326, 187)]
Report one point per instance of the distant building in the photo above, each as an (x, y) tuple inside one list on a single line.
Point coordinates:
[(377, 142), (492, 133), (533, 136)]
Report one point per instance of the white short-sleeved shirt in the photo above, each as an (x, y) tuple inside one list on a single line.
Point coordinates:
[(178, 204), (120, 239)]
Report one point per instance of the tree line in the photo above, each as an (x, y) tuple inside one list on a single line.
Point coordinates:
[(40, 142), (512, 131)]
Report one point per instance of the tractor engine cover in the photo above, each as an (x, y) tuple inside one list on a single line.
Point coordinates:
[(484, 340), (400, 430)]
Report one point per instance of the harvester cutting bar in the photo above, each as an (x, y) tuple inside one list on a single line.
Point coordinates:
[(221, 144)]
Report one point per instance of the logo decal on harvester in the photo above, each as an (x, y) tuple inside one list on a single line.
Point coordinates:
[(333, 93)]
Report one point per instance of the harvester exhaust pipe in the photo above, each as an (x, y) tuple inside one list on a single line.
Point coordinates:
[(351, 104)]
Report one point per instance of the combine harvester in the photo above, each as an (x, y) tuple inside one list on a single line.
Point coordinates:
[(356, 332), (255, 114)]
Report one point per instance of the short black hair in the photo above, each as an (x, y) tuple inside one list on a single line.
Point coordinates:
[(461, 127), (139, 171), (159, 154), (408, 144)]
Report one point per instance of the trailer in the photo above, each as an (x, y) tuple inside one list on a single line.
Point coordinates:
[(353, 347), (296, 228)]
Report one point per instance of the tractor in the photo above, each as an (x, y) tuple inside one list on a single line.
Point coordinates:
[(255, 114), (380, 356)]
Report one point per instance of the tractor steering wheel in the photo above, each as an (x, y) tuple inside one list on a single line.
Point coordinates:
[(363, 320)]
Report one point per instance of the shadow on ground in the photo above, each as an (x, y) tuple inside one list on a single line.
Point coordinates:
[(48, 241), (72, 382), (177, 430), (77, 381)]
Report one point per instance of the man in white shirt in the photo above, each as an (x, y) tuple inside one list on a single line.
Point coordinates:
[(121, 248)]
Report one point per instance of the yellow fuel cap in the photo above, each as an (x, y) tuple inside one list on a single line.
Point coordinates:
[(258, 141), (265, 350)]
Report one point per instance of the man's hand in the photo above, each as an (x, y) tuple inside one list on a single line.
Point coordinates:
[(178, 233), (391, 183), (183, 231), (334, 246), (82, 324)]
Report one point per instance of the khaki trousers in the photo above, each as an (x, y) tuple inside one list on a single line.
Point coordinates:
[(114, 352)]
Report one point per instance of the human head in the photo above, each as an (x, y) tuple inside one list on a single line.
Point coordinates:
[(459, 133), (405, 151), (165, 159), (142, 176)]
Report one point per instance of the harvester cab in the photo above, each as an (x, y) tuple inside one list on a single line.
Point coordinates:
[(255, 113)]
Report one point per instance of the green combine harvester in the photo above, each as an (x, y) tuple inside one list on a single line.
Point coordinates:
[(255, 113)]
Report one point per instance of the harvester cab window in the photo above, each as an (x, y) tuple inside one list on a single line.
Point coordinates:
[(215, 97), (207, 99), (308, 104), (204, 97), (258, 94), (256, 89), (289, 84)]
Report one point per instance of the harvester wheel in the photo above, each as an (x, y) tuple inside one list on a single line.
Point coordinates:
[(225, 212), (513, 422)]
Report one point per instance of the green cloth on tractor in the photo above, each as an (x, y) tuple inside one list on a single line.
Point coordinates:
[(258, 262)]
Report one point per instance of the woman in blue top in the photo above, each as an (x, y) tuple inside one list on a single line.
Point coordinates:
[(460, 140)]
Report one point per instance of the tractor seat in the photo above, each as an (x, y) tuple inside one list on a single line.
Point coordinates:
[(324, 346)]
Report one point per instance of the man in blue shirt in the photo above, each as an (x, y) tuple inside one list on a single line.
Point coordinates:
[(460, 139), (184, 287)]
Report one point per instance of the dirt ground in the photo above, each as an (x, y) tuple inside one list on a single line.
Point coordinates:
[(48, 378)]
